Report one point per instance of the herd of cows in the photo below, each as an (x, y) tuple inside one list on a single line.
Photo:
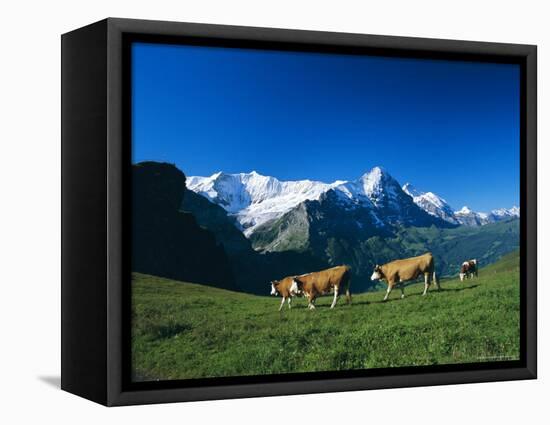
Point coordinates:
[(337, 279)]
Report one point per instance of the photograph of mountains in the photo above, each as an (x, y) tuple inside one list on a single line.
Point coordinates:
[(278, 197)]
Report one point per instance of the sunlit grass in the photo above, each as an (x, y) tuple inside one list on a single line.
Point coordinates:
[(184, 330)]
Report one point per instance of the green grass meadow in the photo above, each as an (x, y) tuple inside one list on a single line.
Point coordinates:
[(183, 330)]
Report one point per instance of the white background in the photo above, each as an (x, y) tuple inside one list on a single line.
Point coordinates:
[(30, 211)]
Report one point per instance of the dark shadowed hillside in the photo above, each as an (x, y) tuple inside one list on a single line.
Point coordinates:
[(167, 242), (252, 270)]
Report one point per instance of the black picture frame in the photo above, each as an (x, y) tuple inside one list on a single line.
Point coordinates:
[(96, 154)]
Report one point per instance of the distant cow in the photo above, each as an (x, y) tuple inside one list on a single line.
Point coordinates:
[(397, 272), (334, 280), (468, 269), (286, 288)]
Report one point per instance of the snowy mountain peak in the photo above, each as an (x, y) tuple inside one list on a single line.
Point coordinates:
[(506, 212), (431, 203), (375, 178), (378, 184), (464, 210), (410, 190), (374, 173)]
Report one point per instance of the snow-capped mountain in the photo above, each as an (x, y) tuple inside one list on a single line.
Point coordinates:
[(468, 217), (254, 199), (390, 201), (431, 203), (504, 213), (381, 188), (437, 206), (375, 189)]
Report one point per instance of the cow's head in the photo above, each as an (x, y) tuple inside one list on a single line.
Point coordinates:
[(274, 284), (377, 273)]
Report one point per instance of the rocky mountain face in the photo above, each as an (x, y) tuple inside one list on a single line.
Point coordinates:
[(310, 224), (392, 204)]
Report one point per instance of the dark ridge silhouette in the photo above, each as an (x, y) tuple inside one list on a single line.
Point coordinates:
[(167, 242)]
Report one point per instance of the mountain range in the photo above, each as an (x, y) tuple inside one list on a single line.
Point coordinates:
[(437, 206), (254, 200), (242, 231)]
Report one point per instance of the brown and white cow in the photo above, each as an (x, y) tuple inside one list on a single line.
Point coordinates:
[(397, 272), (286, 288), (468, 269), (334, 280)]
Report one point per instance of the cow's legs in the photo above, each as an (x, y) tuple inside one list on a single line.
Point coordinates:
[(348, 296), (282, 303), (436, 282), (312, 303), (426, 283), (335, 297), (390, 287)]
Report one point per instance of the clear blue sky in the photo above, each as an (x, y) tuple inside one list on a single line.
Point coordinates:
[(448, 127)]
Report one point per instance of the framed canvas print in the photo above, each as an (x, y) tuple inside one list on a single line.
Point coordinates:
[(252, 212)]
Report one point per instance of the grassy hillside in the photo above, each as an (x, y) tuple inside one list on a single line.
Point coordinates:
[(452, 246), (184, 330), (328, 236)]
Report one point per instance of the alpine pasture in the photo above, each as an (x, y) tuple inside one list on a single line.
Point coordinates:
[(183, 330)]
